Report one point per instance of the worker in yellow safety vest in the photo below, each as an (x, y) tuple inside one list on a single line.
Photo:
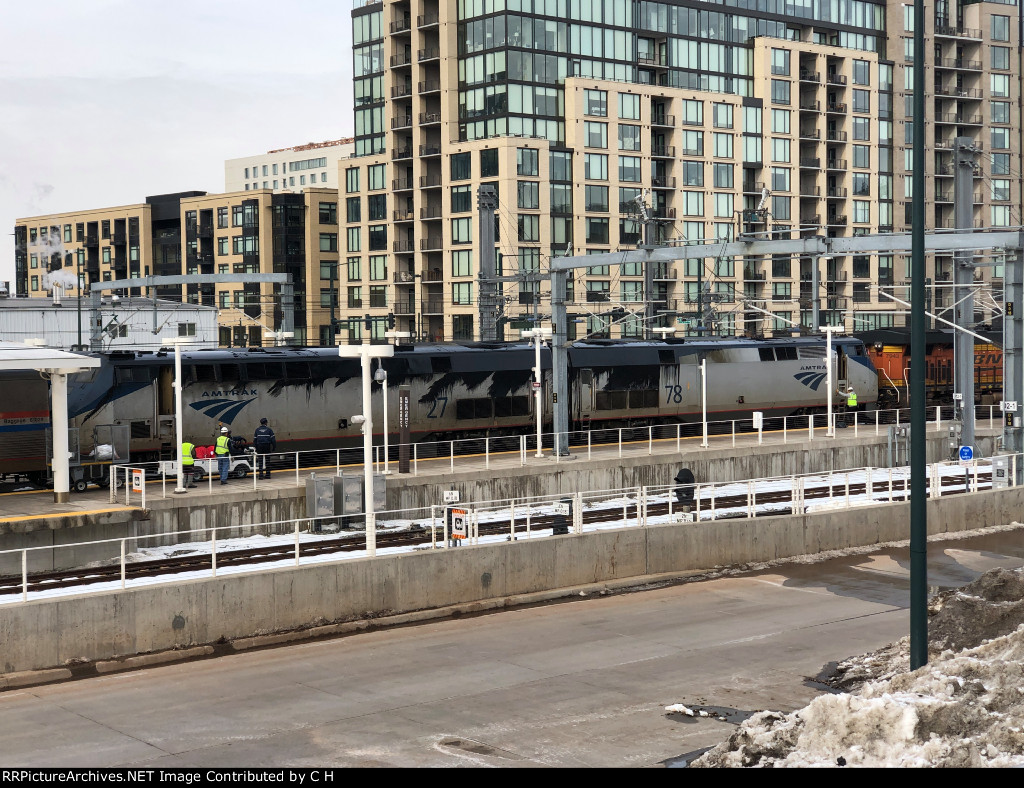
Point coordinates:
[(223, 452), (188, 461)]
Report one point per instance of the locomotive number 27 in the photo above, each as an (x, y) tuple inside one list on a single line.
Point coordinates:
[(674, 393)]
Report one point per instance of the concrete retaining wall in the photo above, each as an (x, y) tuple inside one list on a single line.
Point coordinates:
[(51, 633)]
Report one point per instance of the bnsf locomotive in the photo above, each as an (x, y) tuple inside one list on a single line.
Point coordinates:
[(456, 390), (889, 349)]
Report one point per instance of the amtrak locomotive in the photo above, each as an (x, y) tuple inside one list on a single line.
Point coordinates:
[(456, 390)]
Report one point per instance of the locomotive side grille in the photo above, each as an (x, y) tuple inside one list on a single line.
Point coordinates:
[(140, 429), (812, 352)]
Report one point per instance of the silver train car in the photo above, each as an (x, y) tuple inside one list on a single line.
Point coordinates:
[(457, 390)]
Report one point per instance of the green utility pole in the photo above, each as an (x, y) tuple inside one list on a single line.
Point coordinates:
[(918, 466)]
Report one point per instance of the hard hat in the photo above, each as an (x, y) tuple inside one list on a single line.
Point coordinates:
[(224, 429), (263, 421)]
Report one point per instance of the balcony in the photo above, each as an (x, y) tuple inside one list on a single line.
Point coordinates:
[(430, 150), (401, 184), (429, 118), (431, 53), (405, 277), (663, 182), (663, 151), (810, 76), (664, 213), (398, 91), (404, 307), (836, 108), (433, 243), (836, 164), (836, 79), (92, 240), (837, 219), (433, 275), (401, 122), (429, 181), (401, 153), (431, 212), (403, 246), (811, 191), (944, 196), (836, 136), (432, 306), (948, 31), (120, 238), (397, 61), (426, 20), (810, 106), (836, 192), (958, 63), (403, 216), (430, 86), (402, 25), (808, 163), (753, 187), (810, 134), (812, 219), (661, 119)]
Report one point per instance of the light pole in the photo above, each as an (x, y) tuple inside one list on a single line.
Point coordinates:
[(177, 342), (365, 352), (829, 331), (538, 337), (78, 270)]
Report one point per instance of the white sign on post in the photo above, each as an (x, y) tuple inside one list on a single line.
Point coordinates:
[(137, 480)]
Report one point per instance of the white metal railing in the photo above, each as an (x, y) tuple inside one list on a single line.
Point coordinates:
[(628, 507), (475, 453)]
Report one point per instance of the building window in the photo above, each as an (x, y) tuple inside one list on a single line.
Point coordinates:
[(528, 195), (527, 162), (595, 166), (693, 143), (529, 228), (723, 116), (462, 293), (595, 103), (861, 211), (1000, 28), (462, 231), (780, 91), (597, 231), (596, 199), (595, 134), (861, 72), (489, 163), (462, 199), (222, 245), (629, 106), (377, 207), (329, 213), (461, 166), (723, 176), (693, 112), (780, 121), (629, 169), (693, 173), (462, 326), (723, 145), (378, 237), (354, 239), (236, 215), (861, 101), (1001, 57), (353, 214), (780, 62), (351, 180), (376, 176), (629, 137), (378, 267), (1000, 85), (862, 128), (462, 262), (723, 205), (354, 265), (780, 149), (1000, 111), (1000, 138), (328, 242), (355, 297), (329, 298), (693, 203)]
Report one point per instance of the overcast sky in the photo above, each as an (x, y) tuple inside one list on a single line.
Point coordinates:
[(104, 102)]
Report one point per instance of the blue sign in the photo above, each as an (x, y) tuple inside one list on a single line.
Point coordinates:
[(966, 453)]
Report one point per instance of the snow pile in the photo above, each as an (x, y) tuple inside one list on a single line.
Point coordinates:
[(964, 708)]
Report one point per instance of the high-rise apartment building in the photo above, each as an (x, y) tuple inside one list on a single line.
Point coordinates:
[(781, 117)]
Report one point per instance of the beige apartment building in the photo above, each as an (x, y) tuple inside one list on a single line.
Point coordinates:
[(720, 121), (194, 233), (314, 164)]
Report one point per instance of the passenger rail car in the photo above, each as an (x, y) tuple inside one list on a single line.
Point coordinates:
[(889, 350), (456, 390)]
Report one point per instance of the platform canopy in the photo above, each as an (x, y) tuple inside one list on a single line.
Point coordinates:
[(18, 356)]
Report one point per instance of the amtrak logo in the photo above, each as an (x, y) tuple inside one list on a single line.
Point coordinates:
[(810, 379), (221, 409)]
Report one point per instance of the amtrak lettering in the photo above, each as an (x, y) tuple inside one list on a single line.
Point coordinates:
[(230, 393)]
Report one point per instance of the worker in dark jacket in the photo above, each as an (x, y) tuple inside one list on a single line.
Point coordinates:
[(265, 442)]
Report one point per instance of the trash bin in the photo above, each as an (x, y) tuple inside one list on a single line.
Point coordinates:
[(563, 516), (684, 492)]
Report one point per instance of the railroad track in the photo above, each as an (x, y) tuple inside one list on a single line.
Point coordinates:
[(419, 535)]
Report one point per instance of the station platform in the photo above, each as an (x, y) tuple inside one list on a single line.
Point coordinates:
[(480, 477)]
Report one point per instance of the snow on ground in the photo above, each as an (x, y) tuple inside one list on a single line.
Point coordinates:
[(963, 708)]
